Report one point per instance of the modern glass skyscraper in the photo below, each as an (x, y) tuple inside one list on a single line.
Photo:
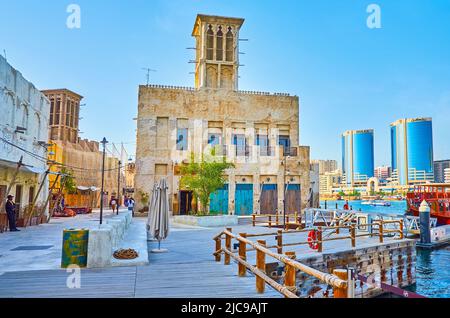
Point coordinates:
[(357, 156), (412, 151)]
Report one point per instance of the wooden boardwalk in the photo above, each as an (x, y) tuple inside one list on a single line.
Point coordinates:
[(187, 271)]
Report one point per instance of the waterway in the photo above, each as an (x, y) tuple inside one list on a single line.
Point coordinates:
[(432, 267)]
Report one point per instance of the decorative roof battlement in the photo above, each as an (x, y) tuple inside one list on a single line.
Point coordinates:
[(192, 89)]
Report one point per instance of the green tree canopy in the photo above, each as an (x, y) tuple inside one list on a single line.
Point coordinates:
[(68, 181), (204, 176)]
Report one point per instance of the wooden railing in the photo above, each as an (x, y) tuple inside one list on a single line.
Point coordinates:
[(338, 280), (321, 231), (277, 220)]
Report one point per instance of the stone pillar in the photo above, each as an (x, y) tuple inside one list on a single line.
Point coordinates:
[(256, 193), (231, 193), (250, 137), (281, 188)]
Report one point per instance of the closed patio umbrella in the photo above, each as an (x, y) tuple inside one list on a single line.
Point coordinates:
[(158, 215)]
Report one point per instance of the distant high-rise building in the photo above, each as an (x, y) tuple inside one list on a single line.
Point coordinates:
[(439, 167), (357, 156), (325, 165), (330, 180), (447, 175), (383, 172), (412, 151)]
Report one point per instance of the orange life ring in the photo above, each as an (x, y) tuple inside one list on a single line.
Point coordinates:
[(312, 240)]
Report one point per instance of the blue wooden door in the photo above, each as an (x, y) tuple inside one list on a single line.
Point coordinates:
[(244, 199), (219, 201)]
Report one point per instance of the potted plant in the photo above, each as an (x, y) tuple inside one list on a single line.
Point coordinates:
[(144, 200)]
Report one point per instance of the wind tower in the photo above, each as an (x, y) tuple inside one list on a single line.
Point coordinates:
[(217, 51)]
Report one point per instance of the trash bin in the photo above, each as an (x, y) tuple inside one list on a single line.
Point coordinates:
[(75, 247)]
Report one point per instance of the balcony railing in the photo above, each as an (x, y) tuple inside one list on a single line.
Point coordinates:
[(220, 150), (266, 151), (242, 151), (290, 151)]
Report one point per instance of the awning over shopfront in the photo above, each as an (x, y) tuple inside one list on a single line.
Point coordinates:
[(24, 167), (91, 188)]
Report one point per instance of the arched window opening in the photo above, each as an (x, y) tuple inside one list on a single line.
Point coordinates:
[(219, 51), (24, 122), (230, 45), (38, 125), (209, 43)]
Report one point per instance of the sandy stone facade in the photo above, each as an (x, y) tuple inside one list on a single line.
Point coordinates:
[(257, 131), (23, 125), (82, 157)]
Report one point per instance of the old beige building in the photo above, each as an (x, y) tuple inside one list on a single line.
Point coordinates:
[(257, 131), (82, 157)]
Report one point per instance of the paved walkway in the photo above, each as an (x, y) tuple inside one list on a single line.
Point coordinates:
[(39, 247), (187, 270)]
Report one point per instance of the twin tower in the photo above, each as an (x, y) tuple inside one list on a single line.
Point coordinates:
[(411, 153)]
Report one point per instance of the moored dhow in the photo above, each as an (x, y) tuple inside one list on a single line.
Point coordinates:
[(438, 198)]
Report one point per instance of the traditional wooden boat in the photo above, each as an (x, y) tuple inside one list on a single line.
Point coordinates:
[(438, 198)]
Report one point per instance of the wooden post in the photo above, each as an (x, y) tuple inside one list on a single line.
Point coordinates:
[(381, 230), (353, 235), (218, 247), (261, 265), (340, 292), (338, 224), (319, 240), (243, 255), (28, 217), (287, 223), (290, 274), (280, 242), (277, 220), (254, 220), (270, 221), (401, 229), (296, 218), (50, 194), (228, 247)]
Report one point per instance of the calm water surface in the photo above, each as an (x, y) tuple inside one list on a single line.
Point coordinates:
[(432, 267)]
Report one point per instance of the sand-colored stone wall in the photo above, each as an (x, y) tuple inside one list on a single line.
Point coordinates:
[(162, 110)]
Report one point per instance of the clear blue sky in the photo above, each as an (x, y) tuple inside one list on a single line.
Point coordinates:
[(347, 75)]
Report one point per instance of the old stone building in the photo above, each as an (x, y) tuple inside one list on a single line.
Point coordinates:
[(257, 131), (82, 157), (23, 133)]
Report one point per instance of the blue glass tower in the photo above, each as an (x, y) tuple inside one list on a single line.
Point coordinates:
[(357, 156), (412, 151)]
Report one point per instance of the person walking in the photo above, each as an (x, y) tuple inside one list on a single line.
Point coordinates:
[(113, 204), (11, 212), (131, 206), (346, 206)]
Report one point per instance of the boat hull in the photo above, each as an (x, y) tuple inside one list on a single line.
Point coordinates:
[(442, 218)]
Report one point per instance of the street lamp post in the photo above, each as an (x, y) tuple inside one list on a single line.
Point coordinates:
[(103, 142), (285, 189), (118, 188)]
